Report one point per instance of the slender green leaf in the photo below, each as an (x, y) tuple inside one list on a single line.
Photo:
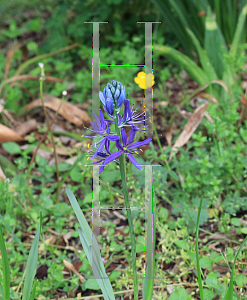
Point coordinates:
[(89, 242), (95, 260), (14, 236), (195, 72), (178, 31), (80, 216), (229, 293), (1, 291), (197, 253), (31, 267), (204, 60), (148, 281), (239, 31), (5, 267), (33, 290), (183, 10), (24, 65), (215, 45)]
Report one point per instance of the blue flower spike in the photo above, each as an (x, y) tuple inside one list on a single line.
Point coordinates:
[(112, 98)]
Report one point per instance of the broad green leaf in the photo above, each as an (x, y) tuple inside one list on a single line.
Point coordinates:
[(211, 280), (235, 222), (182, 244), (179, 294), (11, 147), (206, 263), (208, 294), (241, 280), (92, 284)]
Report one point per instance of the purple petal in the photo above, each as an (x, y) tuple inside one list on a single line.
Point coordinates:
[(95, 127), (107, 128), (134, 162), (102, 119), (139, 144), (102, 98), (107, 147), (96, 162), (127, 111), (119, 145), (121, 97), (109, 95), (113, 138), (109, 106), (101, 168), (102, 144), (96, 119), (124, 137), (112, 157), (132, 135)]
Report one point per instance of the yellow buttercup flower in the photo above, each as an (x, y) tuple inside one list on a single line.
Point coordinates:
[(144, 81)]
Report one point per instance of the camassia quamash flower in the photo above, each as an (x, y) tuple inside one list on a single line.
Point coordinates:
[(127, 148)]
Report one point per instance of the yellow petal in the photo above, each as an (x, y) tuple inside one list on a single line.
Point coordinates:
[(141, 74)]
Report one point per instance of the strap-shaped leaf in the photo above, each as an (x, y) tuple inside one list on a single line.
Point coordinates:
[(80, 217), (5, 267), (95, 260), (203, 56), (88, 241), (215, 45), (195, 72), (239, 30), (31, 267)]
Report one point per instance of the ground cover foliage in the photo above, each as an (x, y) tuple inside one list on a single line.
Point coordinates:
[(205, 120)]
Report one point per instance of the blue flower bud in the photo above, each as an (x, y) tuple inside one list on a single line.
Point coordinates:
[(114, 92)]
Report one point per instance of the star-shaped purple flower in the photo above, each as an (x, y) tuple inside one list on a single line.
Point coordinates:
[(101, 127), (127, 148)]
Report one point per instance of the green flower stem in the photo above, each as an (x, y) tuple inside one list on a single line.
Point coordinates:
[(130, 220)]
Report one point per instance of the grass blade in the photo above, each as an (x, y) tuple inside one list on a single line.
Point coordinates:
[(229, 293), (5, 266), (197, 252), (31, 267)]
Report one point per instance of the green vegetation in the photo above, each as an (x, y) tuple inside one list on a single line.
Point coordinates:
[(200, 190)]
